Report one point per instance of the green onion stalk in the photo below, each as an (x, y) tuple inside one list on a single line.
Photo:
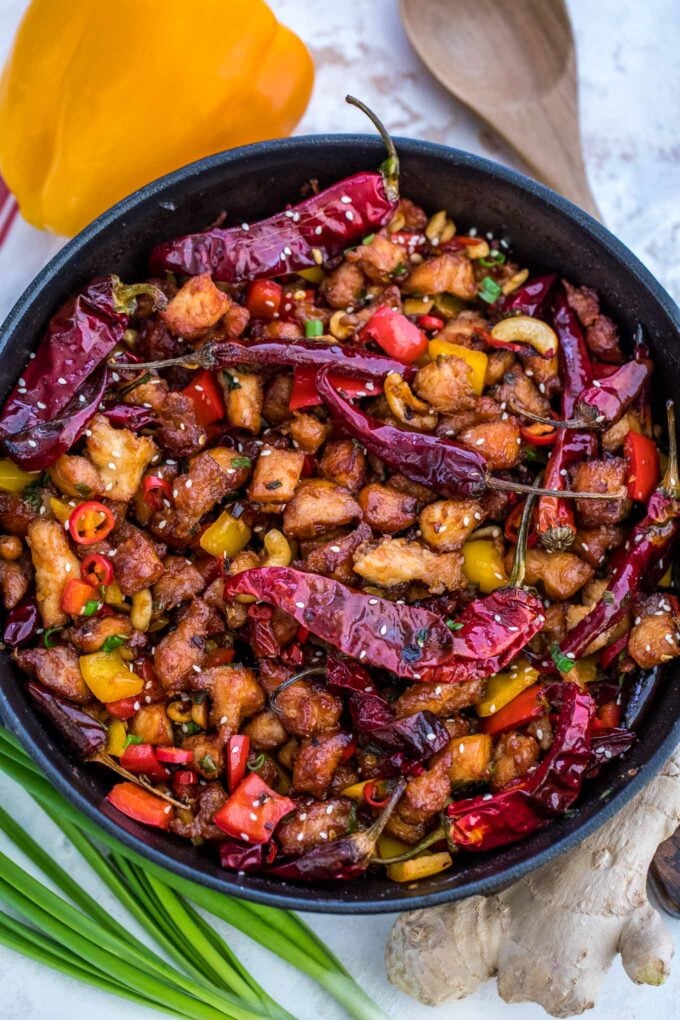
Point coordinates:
[(81, 938)]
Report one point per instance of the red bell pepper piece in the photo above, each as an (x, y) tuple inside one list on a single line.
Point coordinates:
[(263, 299), (642, 457), (140, 805), (253, 811), (305, 394), (141, 760), (528, 705), (539, 434), (173, 755), (431, 323), (206, 395), (76, 596), (396, 334), (124, 708), (238, 750)]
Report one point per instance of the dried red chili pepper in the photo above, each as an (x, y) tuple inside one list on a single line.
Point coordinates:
[(434, 461), (22, 623), (555, 519), (410, 641), (83, 734), (130, 416), (37, 447), (531, 299), (301, 354), (306, 235), (78, 339), (343, 858), (246, 856), (644, 560), (485, 822), (305, 394)]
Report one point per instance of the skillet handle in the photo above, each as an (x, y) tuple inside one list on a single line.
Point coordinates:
[(664, 875)]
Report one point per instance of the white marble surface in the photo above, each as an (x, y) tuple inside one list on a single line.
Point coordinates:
[(629, 70)]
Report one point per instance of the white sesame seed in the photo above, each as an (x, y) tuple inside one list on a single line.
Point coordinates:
[(62, 381)]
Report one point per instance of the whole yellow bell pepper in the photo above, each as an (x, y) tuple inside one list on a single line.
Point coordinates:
[(98, 99)]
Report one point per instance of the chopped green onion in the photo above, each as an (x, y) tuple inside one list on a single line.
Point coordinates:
[(91, 607), (454, 625), (494, 258), (257, 763), (113, 642), (489, 290), (562, 661), (132, 739), (368, 239), (48, 639), (313, 327), (241, 462), (207, 763)]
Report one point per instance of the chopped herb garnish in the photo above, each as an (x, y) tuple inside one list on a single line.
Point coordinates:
[(454, 625), (276, 484), (113, 642), (48, 639), (91, 607), (608, 598), (313, 327), (190, 729), (207, 763), (33, 493), (400, 269), (494, 258), (198, 697), (241, 462), (368, 239), (82, 489), (562, 661), (606, 793), (256, 763), (489, 290), (132, 739)]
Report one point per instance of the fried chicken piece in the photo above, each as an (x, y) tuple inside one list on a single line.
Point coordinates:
[(344, 463), (607, 476), (445, 385), (446, 524), (54, 565), (443, 700), (276, 475), (386, 509), (513, 756), (449, 273), (318, 507), (57, 669), (313, 823), (499, 442), (396, 561), (316, 761), (181, 649), (136, 562), (561, 573), (119, 456), (196, 307), (235, 695), (76, 476), (344, 287), (152, 725)]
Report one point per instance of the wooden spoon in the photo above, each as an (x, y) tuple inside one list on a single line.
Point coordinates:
[(513, 64)]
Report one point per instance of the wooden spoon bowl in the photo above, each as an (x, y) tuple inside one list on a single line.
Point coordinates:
[(515, 66)]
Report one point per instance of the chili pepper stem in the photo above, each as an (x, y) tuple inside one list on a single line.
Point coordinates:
[(374, 830), (302, 675), (519, 566), (558, 423), (390, 167), (671, 478), (102, 758), (434, 837), (198, 359), (503, 486)]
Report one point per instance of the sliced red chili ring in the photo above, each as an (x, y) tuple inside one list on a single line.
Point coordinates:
[(155, 490), (91, 522), (96, 570), (539, 434), (372, 795), (430, 323)]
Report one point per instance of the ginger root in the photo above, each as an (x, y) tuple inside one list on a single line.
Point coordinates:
[(551, 937)]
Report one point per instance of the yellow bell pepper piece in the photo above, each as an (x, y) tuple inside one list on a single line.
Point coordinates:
[(390, 846), (61, 510), (314, 274), (115, 738), (585, 671), (113, 596), (477, 360), (188, 79), (356, 790), (13, 479), (226, 536), (419, 867), (503, 687), (483, 565), (108, 677), (667, 579)]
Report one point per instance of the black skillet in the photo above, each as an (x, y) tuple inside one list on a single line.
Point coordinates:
[(547, 232)]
